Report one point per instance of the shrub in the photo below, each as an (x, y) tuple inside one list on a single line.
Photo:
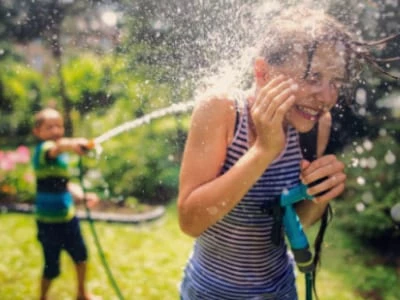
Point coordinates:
[(17, 179), (372, 189)]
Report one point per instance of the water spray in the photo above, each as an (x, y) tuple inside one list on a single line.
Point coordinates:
[(395, 213), (146, 119)]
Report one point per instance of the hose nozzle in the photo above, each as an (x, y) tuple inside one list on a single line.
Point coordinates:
[(90, 145)]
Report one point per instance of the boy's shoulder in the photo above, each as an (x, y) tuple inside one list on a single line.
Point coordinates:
[(44, 146)]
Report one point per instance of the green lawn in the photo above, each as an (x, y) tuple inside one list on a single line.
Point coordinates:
[(146, 260)]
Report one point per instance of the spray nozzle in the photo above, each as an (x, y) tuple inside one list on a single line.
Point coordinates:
[(89, 146)]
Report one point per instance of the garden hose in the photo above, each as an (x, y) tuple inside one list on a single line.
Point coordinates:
[(309, 285), (295, 233), (96, 238)]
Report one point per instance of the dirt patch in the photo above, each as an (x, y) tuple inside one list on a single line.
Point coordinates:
[(103, 206), (118, 208)]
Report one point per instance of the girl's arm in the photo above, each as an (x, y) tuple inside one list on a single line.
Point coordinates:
[(205, 196)]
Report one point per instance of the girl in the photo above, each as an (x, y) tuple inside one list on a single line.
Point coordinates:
[(243, 151)]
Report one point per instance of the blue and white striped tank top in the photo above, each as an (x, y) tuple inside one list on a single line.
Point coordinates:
[(235, 258)]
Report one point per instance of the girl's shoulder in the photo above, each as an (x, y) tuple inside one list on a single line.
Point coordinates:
[(223, 101)]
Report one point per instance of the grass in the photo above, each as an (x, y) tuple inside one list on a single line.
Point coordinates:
[(146, 261)]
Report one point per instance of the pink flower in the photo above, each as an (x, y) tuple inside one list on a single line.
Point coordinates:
[(7, 162), (24, 155)]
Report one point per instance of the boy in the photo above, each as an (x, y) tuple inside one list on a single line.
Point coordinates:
[(58, 227)]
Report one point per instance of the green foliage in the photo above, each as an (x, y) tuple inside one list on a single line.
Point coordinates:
[(142, 162), (89, 81), (378, 281), (82, 74), (372, 189), (20, 94)]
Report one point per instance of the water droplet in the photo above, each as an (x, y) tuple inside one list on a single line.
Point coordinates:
[(212, 210), (390, 158), (359, 150), (382, 132), (395, 212), (363, 163), (368, 145), (367, 197), (361, 180), (361, 96), (371, 162), (360, 207), (354, 162)]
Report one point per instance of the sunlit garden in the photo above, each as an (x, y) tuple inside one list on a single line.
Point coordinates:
[(107, 66)]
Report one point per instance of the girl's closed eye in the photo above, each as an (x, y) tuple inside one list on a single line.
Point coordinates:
[(314, 79)]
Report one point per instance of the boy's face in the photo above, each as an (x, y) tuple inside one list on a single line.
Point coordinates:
[(52, 129)]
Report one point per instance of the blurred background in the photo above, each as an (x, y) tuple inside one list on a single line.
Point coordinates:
[(104, 63)]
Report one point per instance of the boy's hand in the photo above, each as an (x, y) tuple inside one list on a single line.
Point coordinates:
[(76, 145), (91, 199), (330, 171), (79, 145)]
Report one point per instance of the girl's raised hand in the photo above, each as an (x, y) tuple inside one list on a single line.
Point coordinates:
[(268, 112), (329, 171)]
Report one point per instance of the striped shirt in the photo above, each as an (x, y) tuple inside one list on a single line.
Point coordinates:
[(235, 258), (53, 203)]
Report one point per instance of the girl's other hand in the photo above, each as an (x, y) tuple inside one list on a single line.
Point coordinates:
[(329, 171)]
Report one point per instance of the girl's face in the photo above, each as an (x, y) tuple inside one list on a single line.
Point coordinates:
[(319, 89)]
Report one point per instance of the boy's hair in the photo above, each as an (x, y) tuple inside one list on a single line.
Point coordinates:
[(45, 114)]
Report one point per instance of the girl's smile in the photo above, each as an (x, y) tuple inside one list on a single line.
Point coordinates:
[(308, 113)]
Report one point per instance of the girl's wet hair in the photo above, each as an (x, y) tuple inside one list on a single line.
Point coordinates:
[(301, 30)]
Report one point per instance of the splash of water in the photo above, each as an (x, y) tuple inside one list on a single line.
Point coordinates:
[(146, 119)]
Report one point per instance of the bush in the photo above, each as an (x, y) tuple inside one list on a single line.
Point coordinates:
[(372, 189), (143, 164), (20, 94), (17, 179)]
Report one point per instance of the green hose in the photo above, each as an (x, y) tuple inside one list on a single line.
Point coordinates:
[(309, 284), (96, 238)]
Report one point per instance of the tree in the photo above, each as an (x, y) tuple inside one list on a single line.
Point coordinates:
[(28, 20)]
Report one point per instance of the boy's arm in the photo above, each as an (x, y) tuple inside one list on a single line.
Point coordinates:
[(79, 195), (76, 145)]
